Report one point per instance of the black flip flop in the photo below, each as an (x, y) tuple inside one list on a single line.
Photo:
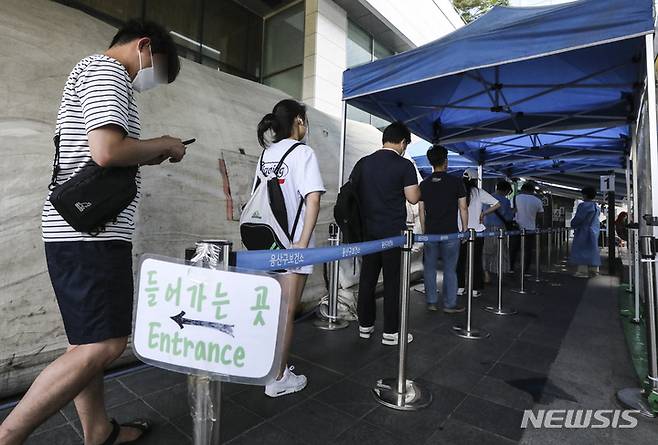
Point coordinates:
[(142, 425)]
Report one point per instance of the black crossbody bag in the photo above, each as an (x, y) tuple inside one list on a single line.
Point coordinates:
[(94, 196)]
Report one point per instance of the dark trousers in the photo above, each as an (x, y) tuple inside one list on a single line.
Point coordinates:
[(371, 265), (515, 250), (462, 265)]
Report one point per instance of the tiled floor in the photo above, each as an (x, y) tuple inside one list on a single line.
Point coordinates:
[(480, 388)]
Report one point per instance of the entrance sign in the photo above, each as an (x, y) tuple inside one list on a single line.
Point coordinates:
[(607, 183), (205, 321)]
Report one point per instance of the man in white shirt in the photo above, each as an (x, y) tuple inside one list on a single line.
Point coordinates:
[(526, 207)]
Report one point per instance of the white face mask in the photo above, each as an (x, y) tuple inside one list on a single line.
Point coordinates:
[(145, 78)]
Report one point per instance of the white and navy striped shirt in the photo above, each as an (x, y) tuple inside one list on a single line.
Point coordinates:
[(98, 92)]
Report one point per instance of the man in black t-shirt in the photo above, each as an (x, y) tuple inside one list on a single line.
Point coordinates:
[(442, 196), (386, 182)]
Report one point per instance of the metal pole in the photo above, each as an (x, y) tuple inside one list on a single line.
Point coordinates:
[(552, 243), (564, 248), (649, 257), (522, 289), (343, 137), (646, 399), (459, 330), (400, 393), (537, 258), (612, 248), (549, 251), (332, 322), (206, 394), (653, 130), (636, 259), (629, 256), (500, 310), (636, 232)]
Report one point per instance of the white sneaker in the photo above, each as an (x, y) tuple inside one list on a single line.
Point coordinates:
[(365, 331), (392, 339), (477, 294), (461, 291), (289, 383)]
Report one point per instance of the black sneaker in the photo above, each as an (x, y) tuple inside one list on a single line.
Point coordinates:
[(432, 307), (454, 310)]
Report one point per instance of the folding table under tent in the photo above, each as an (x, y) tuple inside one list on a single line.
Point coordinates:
[(536, 90)]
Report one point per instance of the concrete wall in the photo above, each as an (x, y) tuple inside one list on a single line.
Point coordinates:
[(41, 42)]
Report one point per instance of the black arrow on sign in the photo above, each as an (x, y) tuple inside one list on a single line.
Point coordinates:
[(225, 328)]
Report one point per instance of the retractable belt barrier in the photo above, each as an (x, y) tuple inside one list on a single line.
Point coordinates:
[(398, 393), (295, 258)]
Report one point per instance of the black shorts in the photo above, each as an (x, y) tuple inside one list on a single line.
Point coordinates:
[(93, 283)]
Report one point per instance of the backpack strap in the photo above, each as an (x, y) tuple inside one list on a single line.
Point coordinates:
[(261, 164), (355, 177), (294, 226), (276, 170), (501, 217)]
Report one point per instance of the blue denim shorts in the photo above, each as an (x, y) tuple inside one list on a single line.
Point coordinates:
[(93, 283)]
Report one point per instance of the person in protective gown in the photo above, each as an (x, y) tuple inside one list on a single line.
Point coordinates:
[(585, 250)]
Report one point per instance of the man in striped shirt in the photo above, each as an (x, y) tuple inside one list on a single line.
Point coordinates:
[(92, 273)]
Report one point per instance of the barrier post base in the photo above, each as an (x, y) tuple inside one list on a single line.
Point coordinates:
[(500, 311), (523, 291), (472, 334), (327, 324), (416, 397), (634, 398)]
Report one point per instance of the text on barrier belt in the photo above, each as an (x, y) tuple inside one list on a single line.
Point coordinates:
[(295, 258)]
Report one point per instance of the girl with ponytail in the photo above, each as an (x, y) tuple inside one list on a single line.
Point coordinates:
[(475, 198), (302, 186)]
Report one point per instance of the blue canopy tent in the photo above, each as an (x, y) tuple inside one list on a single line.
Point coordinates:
[(551, 87), (536, 91)]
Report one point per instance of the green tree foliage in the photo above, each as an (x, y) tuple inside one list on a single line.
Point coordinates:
[(472, 9)]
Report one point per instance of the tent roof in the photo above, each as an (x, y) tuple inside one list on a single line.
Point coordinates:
[(548, 71)]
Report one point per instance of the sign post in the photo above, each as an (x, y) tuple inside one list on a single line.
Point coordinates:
[(209, 322)]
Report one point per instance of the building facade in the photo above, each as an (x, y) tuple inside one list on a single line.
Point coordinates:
[(300, 47)]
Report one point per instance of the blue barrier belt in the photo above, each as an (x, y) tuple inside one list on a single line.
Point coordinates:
[(436, 238), (295, 258)]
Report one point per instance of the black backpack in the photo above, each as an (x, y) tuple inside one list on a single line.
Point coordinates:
[(347, 211)]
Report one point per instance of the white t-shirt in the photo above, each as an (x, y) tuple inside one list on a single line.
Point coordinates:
[(527, 206), (98, 92), (478, 198), (299, 175)]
